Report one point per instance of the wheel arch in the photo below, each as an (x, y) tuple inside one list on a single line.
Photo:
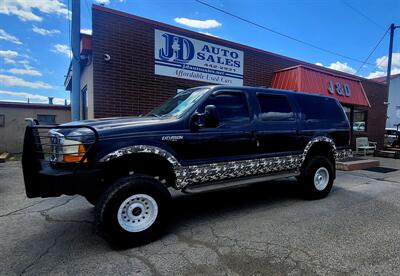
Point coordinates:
[(323, 146), (141, 159)]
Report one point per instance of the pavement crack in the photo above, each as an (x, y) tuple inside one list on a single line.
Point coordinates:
[(37, 259), (17, 212), (21, 209)]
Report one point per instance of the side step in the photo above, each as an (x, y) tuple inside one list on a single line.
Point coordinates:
[(230, 183)]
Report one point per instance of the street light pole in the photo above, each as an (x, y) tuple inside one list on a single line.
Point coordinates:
[(76, 66)]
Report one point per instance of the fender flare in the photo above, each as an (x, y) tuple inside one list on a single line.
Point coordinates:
[(319, 139), (142, 149)]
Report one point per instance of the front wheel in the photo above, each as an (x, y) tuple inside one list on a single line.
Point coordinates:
[(133, 210), (317, 177)]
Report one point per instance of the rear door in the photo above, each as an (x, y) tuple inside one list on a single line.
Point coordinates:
[(276, 125)]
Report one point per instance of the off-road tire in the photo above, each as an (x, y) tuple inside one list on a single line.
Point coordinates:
[(109, 206), (311, 189)]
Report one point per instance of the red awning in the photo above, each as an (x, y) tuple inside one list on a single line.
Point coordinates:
[(302, 78)]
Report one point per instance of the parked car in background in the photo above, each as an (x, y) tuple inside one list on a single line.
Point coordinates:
[(202, 139), (392, 137)]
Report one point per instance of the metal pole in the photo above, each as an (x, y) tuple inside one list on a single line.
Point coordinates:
[(389, 65), (76, 66)]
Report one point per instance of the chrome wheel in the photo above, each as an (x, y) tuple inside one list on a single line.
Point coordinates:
[(321, 179), (137, 213)]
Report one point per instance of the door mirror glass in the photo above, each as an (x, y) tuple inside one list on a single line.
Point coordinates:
[(207, 119), (211, 116)]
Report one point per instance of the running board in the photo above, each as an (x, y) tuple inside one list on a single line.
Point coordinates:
[(230, 183)]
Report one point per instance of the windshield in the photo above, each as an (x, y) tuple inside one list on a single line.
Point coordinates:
[(177, 105)]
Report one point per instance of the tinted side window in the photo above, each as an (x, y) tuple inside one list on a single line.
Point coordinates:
[(274, 108), (320, 109), (231, 107)]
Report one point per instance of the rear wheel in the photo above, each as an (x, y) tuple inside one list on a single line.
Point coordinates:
[(133, 210), (317, 177)]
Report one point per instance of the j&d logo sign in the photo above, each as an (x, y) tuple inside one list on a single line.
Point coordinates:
[(187, 58), (338, 88)]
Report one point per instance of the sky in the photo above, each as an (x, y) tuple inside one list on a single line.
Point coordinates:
[(35, 51)]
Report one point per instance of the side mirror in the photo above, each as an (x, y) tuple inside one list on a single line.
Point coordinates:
[(211, 116), (207, 119)]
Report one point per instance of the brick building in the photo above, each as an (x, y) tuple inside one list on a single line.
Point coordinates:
[(133, 64)]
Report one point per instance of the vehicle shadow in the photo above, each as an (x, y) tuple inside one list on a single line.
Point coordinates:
[(187, 208)]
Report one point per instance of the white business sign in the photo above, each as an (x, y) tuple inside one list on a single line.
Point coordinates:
[(187, 58)]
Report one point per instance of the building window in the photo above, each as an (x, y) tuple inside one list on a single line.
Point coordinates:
[(46, 119), (84, 103), (2, 120), (360, 120), (275, 108)]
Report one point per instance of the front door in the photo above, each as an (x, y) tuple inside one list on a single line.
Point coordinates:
[(231, 140)]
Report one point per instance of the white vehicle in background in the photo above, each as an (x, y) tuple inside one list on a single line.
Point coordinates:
[(392, 136)]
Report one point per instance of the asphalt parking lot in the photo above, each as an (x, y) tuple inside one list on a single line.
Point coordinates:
[(266, 229)]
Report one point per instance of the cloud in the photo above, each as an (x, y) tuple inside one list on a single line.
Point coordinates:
[(32, 97), (6, 80), (104, 2), (44, 32), (378, 74), (8, 53), (25, 63), (206, 33), (24, 9), (339, 66), (86, 31), (7, 37), (382, 62), (343, 67), (62, 49), (29, 72), (198, 24), (9, 61), (8, 56)]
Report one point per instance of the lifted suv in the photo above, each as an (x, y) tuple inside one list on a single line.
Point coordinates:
[(202, 139)]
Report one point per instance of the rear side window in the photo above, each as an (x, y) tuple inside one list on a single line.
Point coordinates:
[(320, 109), (231, 107), (274, 108)]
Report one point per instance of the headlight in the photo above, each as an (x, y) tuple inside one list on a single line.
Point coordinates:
[(66, 150), (72, 151)]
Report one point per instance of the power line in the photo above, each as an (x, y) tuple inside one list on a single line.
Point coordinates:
[(363, 15), (373, 50), (282, 34)]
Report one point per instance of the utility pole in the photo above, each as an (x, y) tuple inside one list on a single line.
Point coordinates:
[(76, 66), (389, 65)]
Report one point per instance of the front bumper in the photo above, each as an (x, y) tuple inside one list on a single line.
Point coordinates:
[(46, 179), (49, 182)]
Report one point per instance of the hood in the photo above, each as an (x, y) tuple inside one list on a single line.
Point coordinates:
[(116, 122), (116, 126)]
